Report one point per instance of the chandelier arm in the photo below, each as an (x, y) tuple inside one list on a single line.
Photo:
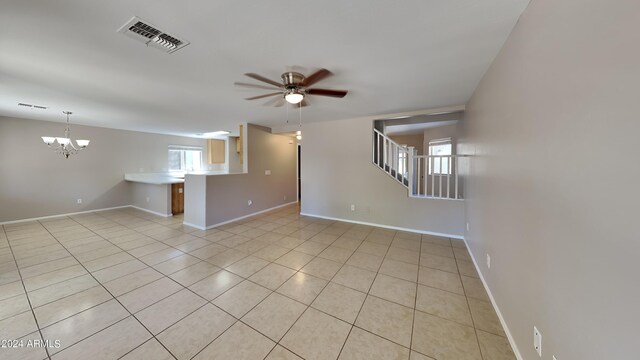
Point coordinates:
[(68, 148)]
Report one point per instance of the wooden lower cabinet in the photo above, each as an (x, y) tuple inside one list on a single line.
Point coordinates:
[(177, 199)]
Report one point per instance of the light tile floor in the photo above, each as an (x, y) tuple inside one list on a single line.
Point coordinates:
[(127, 284)]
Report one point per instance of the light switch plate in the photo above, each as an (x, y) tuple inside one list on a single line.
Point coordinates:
[(267, 172)]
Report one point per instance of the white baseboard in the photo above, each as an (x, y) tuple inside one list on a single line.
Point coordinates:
[(242, 217), (386, 226), (495, 306), (83, 212), (61, 215), (151, 211), (194, 225)]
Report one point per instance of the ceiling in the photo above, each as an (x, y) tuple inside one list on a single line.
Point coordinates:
[(391, 56), (415, 129)]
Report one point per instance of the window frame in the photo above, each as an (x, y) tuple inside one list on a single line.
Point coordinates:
[(183, 149), (438, 168)]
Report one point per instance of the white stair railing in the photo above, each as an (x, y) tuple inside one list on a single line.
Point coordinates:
[(424, 176), (391, 157), (437, 177)]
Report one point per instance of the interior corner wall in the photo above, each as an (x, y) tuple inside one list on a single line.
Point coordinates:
[(158, 195), (553, 191), (337, 171), (416, 141), (227, 196), (233, 157), (36, 182)]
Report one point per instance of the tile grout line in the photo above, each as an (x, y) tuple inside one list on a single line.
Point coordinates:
[(107, 290), (46, 349), (368, 291), (272, 292), (314, 299), (473, 321), (210, 301), (304, 239), (224, 268), (415, 299)]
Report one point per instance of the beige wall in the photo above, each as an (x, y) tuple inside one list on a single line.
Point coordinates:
[(410, 140), (337, 171), (35, 182), (227, 196), (552, 124), (233, 158), (159, 196)]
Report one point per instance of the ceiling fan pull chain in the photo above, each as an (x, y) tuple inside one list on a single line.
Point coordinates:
[(287, 114), (300, 107)]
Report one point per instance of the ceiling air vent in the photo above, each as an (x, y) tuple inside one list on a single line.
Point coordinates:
[(32, 106), (151, 35)]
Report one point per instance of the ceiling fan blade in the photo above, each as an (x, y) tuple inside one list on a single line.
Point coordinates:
[(315, 77), (264, 79), (255, 86), (263, 96), (276, 101), (327, 92)]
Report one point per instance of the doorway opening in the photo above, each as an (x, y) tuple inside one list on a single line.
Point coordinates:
[(299, 172)]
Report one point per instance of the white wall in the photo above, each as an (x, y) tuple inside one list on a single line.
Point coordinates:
[(552, 126), (35, 182), (337, 171)]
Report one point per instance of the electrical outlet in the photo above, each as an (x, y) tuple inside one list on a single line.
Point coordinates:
[(488, 261), (284, 197), (267, 172), (79, 201), (537, 341), (148, 199), (249, 203), (467, 227), (353, 207)]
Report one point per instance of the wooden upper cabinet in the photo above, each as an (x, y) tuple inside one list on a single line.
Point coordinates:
[(216, 151)]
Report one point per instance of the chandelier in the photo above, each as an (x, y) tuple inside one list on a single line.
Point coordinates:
[(65, 144)]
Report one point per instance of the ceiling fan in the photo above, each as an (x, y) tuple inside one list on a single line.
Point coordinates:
[(294, 88)]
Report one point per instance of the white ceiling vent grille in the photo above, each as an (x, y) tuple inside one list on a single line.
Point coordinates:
[(152, 36), (32, 106)]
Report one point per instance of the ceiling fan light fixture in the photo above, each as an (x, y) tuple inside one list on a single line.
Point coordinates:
[(294, 97)]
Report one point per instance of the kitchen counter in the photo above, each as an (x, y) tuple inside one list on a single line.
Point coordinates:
[(169, 178), (155, 178)]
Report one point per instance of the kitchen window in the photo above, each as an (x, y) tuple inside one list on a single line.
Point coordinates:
[(185, 158)]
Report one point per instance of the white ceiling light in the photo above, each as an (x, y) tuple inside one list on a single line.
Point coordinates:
[(65, 145), (215, 133), (299, 135), (294, 97)]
